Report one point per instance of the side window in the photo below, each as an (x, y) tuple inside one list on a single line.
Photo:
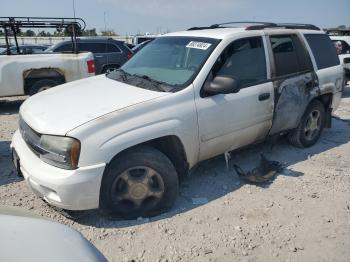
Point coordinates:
[(341, 47), (64, 48), (93, 47), (243, 60), (323, 50), (290, 55), (113, 49), (285, 55), (36, 50)]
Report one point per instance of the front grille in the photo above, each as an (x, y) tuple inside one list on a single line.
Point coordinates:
[(31, 137)]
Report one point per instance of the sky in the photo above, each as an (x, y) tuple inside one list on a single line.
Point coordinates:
[(154, 16)]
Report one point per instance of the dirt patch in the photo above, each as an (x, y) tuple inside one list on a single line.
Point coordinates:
[(302, 215)]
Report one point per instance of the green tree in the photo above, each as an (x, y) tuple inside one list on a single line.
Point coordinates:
[(108, 33), (42, 33), (29, 33), (89, 32)]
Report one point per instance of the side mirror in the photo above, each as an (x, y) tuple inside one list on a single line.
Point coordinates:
[(347, 60), (221, 85)]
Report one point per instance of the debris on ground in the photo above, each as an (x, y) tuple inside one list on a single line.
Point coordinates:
[(266, 171)]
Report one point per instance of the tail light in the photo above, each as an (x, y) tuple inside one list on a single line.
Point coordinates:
[(130, 54), (91, 66)]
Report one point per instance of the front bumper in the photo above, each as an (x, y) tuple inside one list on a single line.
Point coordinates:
[(77, 189)]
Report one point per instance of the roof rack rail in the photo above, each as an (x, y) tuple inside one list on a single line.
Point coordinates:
[(14, 24), (223, 25), (260, 25), (253, 23), (42, 22), (298, 26)]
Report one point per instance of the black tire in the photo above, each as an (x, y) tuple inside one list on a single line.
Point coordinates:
[(131, 160), (42, 85), (302, 138)]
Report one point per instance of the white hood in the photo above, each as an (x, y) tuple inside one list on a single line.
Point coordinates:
[(62, 108)]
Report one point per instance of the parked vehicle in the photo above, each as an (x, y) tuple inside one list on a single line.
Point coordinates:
[(29, 74), (341, 39), (124, 139), (108, 53), (41, 240), (4, 46), (142, 38), (25, 49), (140, 46)]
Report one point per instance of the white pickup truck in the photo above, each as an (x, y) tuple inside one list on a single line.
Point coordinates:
[(121, 141), (30, 74)]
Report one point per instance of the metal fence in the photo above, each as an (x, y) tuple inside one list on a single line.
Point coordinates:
[(53, 40)]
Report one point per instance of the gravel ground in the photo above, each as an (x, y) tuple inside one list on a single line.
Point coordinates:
[(303, 215)]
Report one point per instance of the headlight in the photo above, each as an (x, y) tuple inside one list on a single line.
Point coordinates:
[(60, 151)]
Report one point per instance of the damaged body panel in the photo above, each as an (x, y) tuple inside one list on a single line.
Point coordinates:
[(292, 96)]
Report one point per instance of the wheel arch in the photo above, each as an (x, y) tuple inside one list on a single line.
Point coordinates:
[(326, 100), (169, 145), (30, 76)]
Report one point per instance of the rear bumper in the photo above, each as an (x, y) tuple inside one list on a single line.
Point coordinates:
[(69, 189)]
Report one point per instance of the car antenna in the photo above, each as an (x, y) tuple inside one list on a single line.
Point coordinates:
[(73, 36), (106, 47)]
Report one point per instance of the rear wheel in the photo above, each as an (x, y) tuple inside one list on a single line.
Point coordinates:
[(42, 85), (140, 182), (310, 127)]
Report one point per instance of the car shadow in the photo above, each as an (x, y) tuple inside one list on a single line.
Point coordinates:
[(7, 170), (346, 92), (212, 179), (10, 106)]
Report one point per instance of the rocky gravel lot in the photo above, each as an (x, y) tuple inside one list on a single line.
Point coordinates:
[(303, 215)]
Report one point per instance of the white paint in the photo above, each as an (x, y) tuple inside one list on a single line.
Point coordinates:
[(109, 116), (12, 68)]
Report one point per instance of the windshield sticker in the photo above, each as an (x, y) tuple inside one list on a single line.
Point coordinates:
[(198, 45)]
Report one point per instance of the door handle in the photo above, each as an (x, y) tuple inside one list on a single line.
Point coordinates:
[(99, 56), (264, 96)]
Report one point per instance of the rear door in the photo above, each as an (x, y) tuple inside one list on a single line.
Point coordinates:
[(294, 80), (329, 71), (116, 56)]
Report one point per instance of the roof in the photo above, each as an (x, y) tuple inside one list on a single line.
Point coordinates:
[(221, 33), (218, 33), (93, 39)]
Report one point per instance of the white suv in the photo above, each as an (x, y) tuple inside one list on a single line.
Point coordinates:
[(341, 39), (120, 142)]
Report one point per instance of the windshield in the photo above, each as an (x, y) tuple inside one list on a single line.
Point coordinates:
[(170, 63)]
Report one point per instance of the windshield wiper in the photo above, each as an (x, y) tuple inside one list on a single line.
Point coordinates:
[(156, 83), (123, 74)]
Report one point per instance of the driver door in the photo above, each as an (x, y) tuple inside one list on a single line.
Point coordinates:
[(230, 121)]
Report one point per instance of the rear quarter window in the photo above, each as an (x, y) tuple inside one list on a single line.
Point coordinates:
[(323, 50), (113, 49)]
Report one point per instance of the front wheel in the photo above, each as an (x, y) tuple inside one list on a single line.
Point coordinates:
[(140, 182), (310, 127)]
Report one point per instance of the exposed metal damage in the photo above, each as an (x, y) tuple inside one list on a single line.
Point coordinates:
[(292, 96)]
